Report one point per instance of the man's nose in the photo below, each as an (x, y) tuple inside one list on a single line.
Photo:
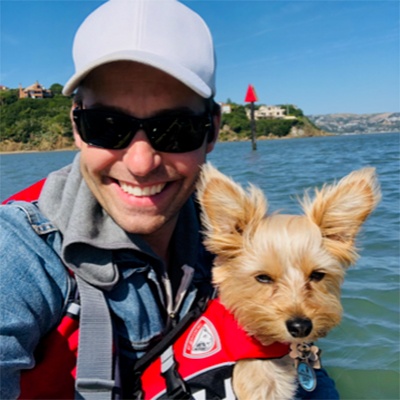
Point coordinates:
[(140, 157)]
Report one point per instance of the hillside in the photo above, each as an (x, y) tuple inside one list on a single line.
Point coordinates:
[(236, 126), (35, 124), (357, 123)]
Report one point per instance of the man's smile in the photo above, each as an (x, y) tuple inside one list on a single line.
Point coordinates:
[(141, 191)]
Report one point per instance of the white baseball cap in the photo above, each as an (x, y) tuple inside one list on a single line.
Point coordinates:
[(164, 34)]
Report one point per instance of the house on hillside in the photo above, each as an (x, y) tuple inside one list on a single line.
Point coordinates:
[(35, 91), (264, 112), (225, 108), (269, 112)]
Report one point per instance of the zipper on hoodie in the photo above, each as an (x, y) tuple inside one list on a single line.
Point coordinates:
[(174, 305)]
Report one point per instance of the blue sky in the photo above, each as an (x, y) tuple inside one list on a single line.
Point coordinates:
[(325, 56)]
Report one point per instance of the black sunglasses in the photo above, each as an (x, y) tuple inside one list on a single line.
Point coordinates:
[(110, 129)]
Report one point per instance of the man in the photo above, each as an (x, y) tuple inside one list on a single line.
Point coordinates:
[(121, 219)]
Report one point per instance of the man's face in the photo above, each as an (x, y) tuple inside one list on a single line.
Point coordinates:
[(140, 188)]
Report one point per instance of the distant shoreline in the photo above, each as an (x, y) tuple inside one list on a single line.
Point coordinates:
[(261, 138), (38, 151)]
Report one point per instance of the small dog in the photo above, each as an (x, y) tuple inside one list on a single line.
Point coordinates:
[(280, 275)]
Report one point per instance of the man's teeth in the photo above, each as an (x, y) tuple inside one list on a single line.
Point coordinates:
[(142, 191)]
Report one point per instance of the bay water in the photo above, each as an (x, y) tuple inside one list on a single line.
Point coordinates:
[(363, 353)]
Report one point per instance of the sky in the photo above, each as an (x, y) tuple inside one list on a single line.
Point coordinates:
[(324, 56)]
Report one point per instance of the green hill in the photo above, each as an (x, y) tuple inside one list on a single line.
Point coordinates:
[(35, 124), (236, 124)]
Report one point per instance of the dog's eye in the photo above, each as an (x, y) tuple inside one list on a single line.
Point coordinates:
[(317, 276), (263, 278)]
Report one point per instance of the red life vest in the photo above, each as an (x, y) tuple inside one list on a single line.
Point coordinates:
[(205, 352), (30, 193), (53, 376)]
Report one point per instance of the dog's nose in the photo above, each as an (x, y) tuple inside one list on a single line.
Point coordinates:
[(299, 327)]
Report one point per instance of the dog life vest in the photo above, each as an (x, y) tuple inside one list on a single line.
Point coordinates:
[(202, 356)]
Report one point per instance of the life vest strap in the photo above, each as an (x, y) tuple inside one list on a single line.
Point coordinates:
[(94, 365)]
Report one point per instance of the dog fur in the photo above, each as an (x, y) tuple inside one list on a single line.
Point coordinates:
[(280, 275)]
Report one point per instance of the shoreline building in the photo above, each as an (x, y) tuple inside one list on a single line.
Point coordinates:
[(35, 91)]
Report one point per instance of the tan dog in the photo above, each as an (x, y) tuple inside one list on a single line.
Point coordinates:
[(280, 275)]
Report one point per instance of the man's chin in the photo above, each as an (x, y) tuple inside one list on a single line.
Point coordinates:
[(140, 225)]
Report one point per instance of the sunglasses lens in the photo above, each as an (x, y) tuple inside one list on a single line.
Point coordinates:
[(172, 134), (179, 134), (102, 129)]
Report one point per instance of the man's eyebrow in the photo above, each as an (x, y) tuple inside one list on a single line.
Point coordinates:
[(160, 113)]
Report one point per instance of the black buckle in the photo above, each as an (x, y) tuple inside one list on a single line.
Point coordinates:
[(176, 386)]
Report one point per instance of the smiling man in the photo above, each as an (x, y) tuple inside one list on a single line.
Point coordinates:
[(140, 187), (114, 238)]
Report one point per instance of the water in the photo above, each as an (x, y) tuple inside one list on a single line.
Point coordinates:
[(19, 170), (363, 353)]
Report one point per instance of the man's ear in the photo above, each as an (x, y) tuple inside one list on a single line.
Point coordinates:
[(77, 138)]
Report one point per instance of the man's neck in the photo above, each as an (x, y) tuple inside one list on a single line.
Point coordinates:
[(160, 240)]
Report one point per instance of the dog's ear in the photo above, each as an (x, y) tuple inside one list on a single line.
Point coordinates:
[(228, 211), (340, 209)]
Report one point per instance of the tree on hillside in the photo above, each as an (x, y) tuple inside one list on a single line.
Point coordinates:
[(237, 120), (292, 110), (8, 96), (276, 127), (56, 89)]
